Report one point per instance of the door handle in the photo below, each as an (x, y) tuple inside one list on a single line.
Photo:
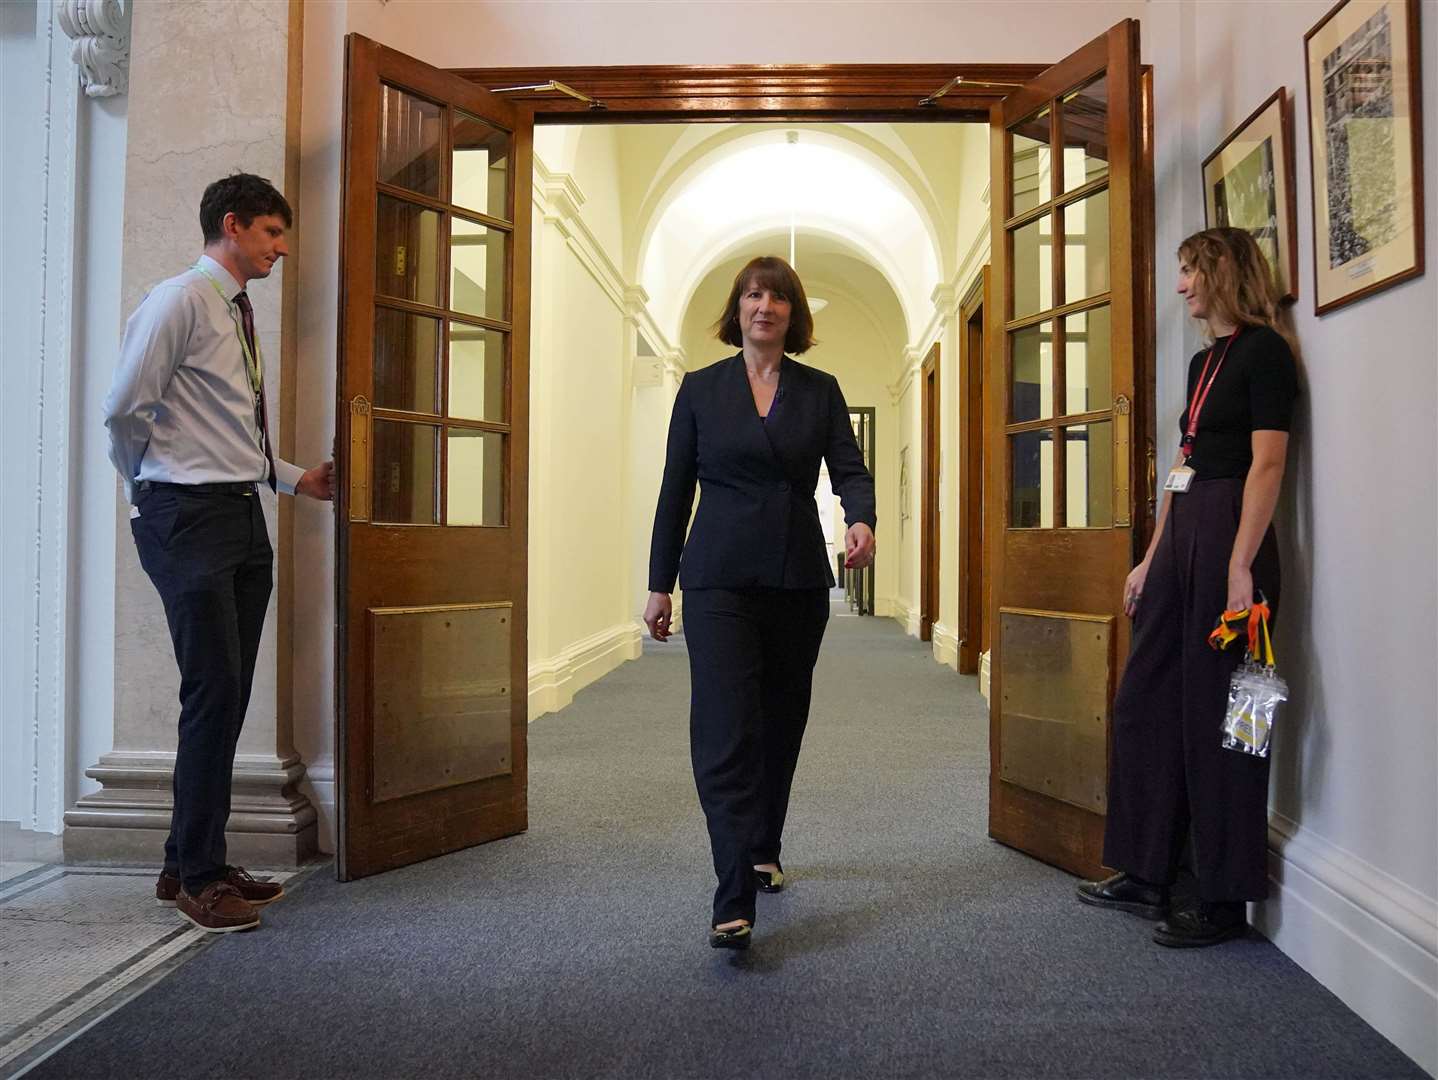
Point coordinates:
[(358, 462), (1152, 476)]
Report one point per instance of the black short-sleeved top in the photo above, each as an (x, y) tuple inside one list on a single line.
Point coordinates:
[(1255, 391)]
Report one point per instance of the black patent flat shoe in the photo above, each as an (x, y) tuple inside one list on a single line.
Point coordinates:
[(770, 881), (737, 937), (1207, 924), (1123, 893)]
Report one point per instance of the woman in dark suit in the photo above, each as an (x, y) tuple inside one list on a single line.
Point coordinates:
[(751, 431)]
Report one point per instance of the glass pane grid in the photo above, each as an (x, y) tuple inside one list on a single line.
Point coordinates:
[(455, 367)]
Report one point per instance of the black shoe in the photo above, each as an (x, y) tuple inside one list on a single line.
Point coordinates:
[(736, 938), (1126, 894), (770, 881), (1206, 924)]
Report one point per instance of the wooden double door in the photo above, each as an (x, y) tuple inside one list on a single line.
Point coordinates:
[(432, 440)]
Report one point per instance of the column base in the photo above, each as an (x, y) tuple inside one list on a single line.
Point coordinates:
[(126, 822)]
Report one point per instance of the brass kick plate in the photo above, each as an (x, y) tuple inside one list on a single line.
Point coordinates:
[(1057, 670), (441, 696)]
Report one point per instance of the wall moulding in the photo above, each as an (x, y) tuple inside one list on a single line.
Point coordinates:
[(100, 30)]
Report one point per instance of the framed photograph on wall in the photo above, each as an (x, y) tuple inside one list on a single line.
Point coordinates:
[(1365, 148), (1248, 184)]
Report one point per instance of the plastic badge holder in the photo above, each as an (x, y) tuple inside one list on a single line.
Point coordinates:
[(1256, 690)]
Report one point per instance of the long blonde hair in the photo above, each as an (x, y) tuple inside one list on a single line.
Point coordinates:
[(1236, 281)]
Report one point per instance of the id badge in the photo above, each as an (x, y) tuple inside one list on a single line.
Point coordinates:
[(1179, 479)]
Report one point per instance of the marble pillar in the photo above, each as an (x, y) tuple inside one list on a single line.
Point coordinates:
[(212, 91)]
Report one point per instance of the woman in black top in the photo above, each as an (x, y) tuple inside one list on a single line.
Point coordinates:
[(751, 431), (1171, 783)]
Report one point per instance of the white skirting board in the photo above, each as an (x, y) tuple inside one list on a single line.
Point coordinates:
[(905, 616), (554, 682), (946, 646), (1366, 936)]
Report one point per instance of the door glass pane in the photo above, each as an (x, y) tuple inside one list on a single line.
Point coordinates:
[(1032, 262), (476, 373), (406, 361), (1085, 134), (1032, 394), (475, 488), (1086, 247), (481, 166), (1088, 364), (1088, 479), (1031, 502), (409, 150), (476, 269), (406, 460), (1029, 163), (406, 251)]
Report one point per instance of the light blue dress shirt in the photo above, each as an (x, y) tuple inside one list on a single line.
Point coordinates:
[(181, 408)]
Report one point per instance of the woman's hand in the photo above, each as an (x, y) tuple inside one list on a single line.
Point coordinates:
[(858, 546), (1240, 588), (1133, 588), (657, 614)]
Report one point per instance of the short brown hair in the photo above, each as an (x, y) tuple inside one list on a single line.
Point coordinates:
[(772, 273), (246, 195)]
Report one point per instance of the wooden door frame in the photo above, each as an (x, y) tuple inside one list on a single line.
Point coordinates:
[(972, 553), (677, 93), (930, 399)]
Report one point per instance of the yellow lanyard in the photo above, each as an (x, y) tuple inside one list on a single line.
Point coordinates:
[(252, 360)]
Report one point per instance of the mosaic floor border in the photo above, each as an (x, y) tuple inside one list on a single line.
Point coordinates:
[(157, 942)]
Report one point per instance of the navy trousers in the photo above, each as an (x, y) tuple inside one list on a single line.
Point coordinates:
[(1170, 780), (209, 556), (751, 667)]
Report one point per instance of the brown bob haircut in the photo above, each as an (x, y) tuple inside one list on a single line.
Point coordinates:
[(772, 273)]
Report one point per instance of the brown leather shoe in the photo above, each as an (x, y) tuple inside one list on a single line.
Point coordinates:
[(167, 887), (257, 892), (219, 909)]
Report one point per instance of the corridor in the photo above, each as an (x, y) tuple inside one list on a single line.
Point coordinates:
[(908, 944)]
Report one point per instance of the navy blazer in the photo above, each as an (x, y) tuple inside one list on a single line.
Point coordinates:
[(757, 525)]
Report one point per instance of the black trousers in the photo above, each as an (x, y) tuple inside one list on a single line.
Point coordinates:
[(751, 669), (209, 556), (1170, 780)]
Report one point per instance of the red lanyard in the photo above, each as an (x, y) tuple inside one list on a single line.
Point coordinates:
[(1200, 394)]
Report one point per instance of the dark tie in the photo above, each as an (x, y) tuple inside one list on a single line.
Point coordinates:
[(247, 322)]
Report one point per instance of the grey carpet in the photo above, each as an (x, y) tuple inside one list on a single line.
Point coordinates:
[(908, 944)]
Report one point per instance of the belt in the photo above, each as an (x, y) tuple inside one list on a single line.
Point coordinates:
[(231, 487)]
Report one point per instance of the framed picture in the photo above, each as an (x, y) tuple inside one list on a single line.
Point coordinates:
[(1366, 149), (1248, 184)]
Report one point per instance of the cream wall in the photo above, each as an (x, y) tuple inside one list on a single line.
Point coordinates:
[(581, 469), (1356, 872)]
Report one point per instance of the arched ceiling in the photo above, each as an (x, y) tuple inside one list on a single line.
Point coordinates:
[(757, 183)]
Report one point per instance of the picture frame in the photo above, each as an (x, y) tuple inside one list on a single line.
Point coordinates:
[(1364, 87), (1248, 183)]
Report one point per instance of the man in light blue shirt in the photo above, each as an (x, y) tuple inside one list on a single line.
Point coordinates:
[(189, 434)]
